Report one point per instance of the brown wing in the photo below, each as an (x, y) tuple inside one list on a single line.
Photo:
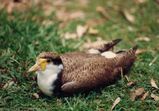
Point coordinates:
[(94, 73)]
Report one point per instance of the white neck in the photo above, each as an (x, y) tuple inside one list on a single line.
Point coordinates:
[(48, 77)]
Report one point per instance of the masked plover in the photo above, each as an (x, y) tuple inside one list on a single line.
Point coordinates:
[(74, 72)]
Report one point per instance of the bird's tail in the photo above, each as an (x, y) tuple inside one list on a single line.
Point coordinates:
[(126, 59)]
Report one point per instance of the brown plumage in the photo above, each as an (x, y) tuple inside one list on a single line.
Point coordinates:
[(83, 71)]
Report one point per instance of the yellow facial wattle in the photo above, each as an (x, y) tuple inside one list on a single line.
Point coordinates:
[(43, 65)]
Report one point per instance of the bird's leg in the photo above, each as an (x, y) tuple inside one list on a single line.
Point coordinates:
[(70, 87)]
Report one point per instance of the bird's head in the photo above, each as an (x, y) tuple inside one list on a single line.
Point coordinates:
[(46, 61)]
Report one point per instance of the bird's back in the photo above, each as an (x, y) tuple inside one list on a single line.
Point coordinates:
[(74, 60)]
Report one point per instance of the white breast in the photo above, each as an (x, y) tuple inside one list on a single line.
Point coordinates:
[(46, 78)]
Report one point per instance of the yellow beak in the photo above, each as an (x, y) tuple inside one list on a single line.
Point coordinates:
[(40, 65), (34, 68)]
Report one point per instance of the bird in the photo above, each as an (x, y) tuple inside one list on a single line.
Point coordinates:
[(74, 72)]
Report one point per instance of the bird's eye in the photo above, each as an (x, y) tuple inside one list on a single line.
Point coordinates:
[(48, 60)]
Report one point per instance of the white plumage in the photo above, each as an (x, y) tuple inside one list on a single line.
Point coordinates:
[(46, 78)]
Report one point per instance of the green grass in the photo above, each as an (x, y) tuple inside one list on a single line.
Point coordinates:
[(22, 39)]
